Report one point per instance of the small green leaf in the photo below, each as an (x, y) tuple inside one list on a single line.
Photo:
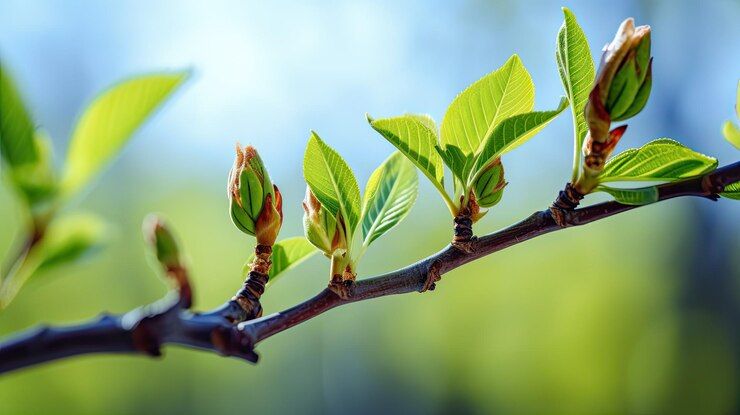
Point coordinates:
[(513, 132), (459, 163), (70, 238), (576, 67), (37, 180), (732, 134), (659, 160), (109, 122), (16, 128), (416, 141), (732, 191), (641, 196), (286, 254), (332, 181), (474, 113), (389, 196)]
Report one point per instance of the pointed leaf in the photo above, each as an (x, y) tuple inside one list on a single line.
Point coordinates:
[(659, 160), (513, 132), (481, 107), (459, 163), (732, 134), (641, 196), (732, 191), (332, 181), (109, 122), (576, 67), (16, 127), (416, 141), (286, 254), (389, 196)]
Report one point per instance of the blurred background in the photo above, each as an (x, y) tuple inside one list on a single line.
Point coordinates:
[(633, 314)]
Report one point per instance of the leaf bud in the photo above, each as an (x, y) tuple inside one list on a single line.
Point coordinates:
[(489, 187), (321, 228)]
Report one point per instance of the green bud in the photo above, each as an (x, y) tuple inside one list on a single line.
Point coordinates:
[(623, 81), (320, 227), (489, 187), (162, 241), (255, 203)]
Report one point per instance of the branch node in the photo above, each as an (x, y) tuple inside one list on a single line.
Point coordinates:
[(463, 229), (343, 288), (567, 200), (432, 276), (468, 246)]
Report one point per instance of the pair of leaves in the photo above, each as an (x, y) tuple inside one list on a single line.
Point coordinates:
[(286, 254), (659, 160), (488, 118), (576, 68), (389, 195)]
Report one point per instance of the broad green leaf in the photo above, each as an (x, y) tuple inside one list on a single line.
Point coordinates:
[(109, 122), (416, 141), (459, 163), (389, 196), (481, 107), (659, 160), (428, 122), (732, 134), (513, 132), (641, 196), (732, 191), (576, 67), (16, 127), (286, 254), (332, 181)]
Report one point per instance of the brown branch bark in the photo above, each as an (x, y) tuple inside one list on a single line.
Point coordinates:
[(146, 329)]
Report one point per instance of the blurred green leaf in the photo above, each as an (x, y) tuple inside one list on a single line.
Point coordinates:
[(286, 254), (732, 134), (389, 196), (732, 191), (659, 160), (474, 113), (513, 132), (332, 182), (16, 128), (36, 180), (70, 238), (109, 122), (576, 67), (416, 141), (641, 196)]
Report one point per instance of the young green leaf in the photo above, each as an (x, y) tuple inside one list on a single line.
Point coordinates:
[(513, 132), (576, 67), (474, 114), (16, 127), (732, 134), (36, 181), (641, 196), (416, 141), (732, 191), (428, 122), (659, 160), (332, 181), (459, 163), (109, 122), (70, 238), (286, 254), (389, 196)]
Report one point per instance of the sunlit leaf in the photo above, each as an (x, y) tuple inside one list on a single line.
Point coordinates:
[(332, 181), (481, 107), (458, 162), (16, 127), (71, 238), (576, 67), (732, 191), (428, 122), (659, 160), (109, 122), (286, 254), (513, 132), (389, 196), (36, 180), (732, 134), (641, 196)]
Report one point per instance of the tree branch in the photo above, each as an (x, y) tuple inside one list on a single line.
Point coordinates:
[(144, 330)]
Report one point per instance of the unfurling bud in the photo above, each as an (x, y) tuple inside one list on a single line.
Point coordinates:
[(256, 204), (489, 187), (597, 153), (623, 82), (162, 241), (320, 227)]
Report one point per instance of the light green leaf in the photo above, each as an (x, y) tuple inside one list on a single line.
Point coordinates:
[(428, 122), (37, 180), (641, 196), (576, 67), (71, 238), (459, 163), (732, 191), (16, 128), (732, 134), (109, 122), (416, 141), (332, 181), (513, 132), (659, 160), (474, 114), (286, 254), (389, 196)]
